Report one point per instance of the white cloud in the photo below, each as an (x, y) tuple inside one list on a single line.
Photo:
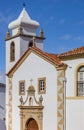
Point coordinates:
[(79, 38), (62, 21), (5, 19), (51, 18), (66, 37), (72, 38), (61, 49), (2, 76), (81, 22)]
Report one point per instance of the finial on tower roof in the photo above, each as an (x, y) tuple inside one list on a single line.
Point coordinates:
[(33, 39), (41, 33), (8, 35), (24, 5)]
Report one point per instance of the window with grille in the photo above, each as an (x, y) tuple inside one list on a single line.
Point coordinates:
[(41, 85), (21, 87), (12, 51), (80, 82)]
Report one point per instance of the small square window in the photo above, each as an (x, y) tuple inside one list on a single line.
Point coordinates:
[(21, 87), (42, 85)]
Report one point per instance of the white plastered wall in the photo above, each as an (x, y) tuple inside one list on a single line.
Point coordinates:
[(21, 45), (35, 67), (74, 104), (9, 64)]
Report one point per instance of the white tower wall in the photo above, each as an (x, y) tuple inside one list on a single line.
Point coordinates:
[(28, 27)]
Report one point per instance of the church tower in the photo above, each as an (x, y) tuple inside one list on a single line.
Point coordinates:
[(28, 105), (23, 34)]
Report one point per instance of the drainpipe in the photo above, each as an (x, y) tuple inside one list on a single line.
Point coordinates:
[(64, 84)]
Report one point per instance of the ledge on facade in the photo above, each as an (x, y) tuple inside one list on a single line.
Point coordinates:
[(24, 35), (75, 98), (31, 107)]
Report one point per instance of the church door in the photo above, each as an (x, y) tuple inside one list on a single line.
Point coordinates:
[(32, 125)]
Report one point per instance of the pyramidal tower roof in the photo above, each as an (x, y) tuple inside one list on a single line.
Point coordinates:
[(23, 19)]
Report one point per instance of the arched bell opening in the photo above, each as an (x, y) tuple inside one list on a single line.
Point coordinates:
[(31, 124), (30, 44)]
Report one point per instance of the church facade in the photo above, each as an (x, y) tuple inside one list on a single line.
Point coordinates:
[(43, 91)]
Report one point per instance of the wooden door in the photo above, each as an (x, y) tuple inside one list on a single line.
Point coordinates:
[(32, 125)]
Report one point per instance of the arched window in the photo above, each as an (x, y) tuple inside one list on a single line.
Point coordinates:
[(80, 82), (12, 51), (30, 44)]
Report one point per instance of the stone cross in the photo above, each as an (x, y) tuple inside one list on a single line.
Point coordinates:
[(31, 80)]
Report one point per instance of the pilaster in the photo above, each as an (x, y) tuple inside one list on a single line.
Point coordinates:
[(60, 100), (10, 105)]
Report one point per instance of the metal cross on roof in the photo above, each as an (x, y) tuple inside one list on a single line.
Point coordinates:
[(24, 4)]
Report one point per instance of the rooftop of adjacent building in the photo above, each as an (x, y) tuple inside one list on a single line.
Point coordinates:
[(54, 58), (2, 85), (74, 51)]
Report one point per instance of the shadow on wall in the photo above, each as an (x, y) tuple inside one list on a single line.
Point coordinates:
[(2, 125), (2, 107)]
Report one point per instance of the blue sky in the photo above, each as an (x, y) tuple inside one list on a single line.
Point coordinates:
[(61, 20)]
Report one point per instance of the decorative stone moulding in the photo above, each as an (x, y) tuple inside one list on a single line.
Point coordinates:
[(31, 109), (31, 98)]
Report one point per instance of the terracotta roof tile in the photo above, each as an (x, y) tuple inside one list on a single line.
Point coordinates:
[(72, 52), (51, 56)]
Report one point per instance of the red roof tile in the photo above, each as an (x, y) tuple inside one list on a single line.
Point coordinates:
[(75, 51)]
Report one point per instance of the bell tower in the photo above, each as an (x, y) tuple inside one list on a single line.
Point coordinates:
[(19, 38)]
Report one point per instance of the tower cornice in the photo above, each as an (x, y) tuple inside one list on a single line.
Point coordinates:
[(24, 35)]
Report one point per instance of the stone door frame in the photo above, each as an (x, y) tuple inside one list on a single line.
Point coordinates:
[(27, 112)]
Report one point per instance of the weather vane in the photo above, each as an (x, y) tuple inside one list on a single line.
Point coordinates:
[(24, 4)]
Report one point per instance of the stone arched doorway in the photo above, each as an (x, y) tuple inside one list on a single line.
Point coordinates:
[(32, 124)]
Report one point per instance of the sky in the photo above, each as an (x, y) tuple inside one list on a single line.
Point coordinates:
[(61, 20)]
